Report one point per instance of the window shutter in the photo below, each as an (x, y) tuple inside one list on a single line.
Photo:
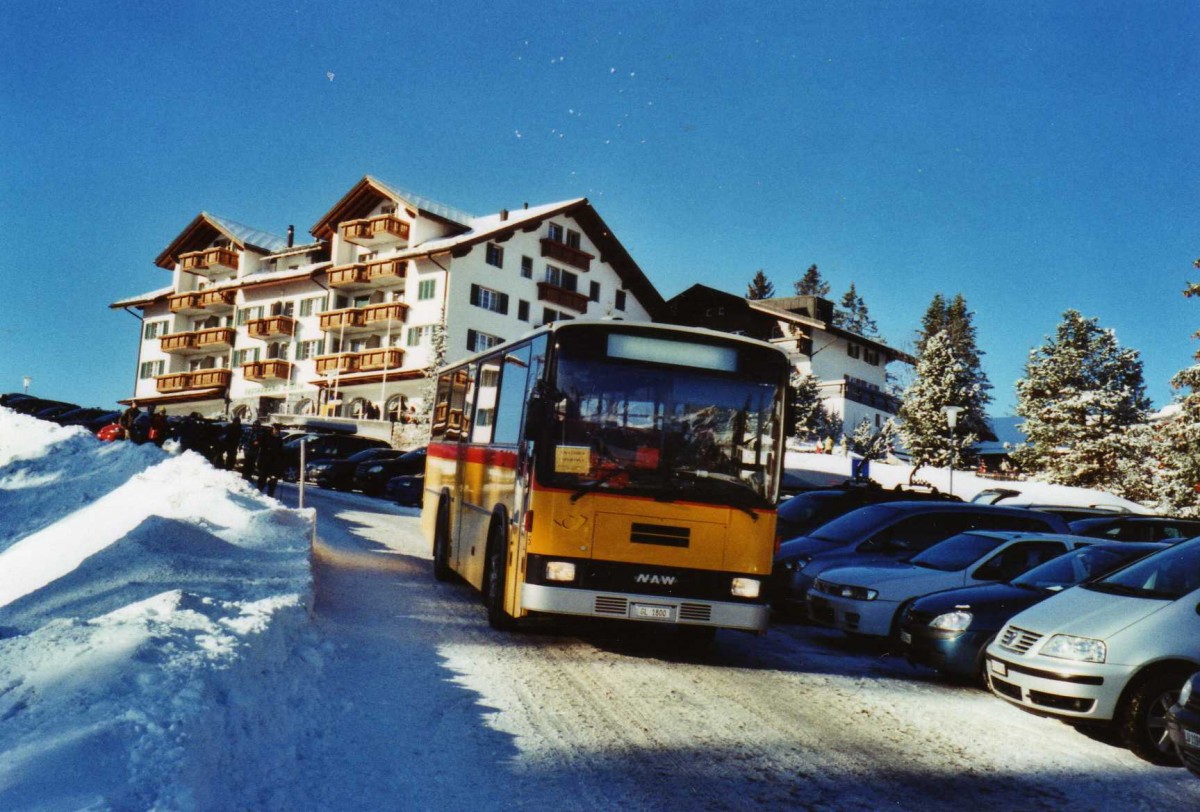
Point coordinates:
[(474, 294), (504, 304)]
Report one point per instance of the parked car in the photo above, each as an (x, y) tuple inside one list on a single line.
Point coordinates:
[(888, 531), (809, 510), (53, 411), (949, 631), (371, 477), (339, 474), (1137, 528), (94, 424), (869, 599), (324, 446), (1183, 724), (406, 490), (77, 417), (31, 406), (1114, 651)]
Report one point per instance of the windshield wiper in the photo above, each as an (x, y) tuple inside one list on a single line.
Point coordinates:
[(596, 483)]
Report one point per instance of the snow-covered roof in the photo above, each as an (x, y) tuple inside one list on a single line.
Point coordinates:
[(143, 298), (484, 228), (425, 203), (248, 235)]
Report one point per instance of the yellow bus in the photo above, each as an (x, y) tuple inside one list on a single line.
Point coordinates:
[(610, 469)]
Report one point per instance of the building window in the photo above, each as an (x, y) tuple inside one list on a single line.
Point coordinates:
[(154, 329), (249, 314), (313, 305), (489, 377), (561, 278), (418, 335), (308, 349), (555, 232), (150, 369), (283, 308), (245, 356), (495, 255), (527, 267), (478, 342), (523, 310), (573, 239), (427, 289), (871, 357), (489, 299), (620, 303), (853, 350), (277, 350), (594, 291), (549, 314)]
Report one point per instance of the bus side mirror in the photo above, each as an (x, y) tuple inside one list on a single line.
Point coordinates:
[(535, 415)]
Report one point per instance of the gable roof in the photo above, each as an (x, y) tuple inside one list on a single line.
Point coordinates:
[(366, 195), (205, 227)]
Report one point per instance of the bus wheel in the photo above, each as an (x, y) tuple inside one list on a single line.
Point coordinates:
[(494, 582), (441, 543)]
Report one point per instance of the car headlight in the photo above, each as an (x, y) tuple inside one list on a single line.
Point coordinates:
[(955, 621), (374, 469), (857, 593), (1069, 647), (746, 587)]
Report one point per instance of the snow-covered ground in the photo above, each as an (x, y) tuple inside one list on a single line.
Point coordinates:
[(165, 645)]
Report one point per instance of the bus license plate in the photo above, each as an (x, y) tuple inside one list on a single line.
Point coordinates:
[(646, 611)]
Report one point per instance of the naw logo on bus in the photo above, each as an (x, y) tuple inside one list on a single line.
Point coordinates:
[(659, 580)]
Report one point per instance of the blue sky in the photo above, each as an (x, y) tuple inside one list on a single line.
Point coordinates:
[(1034, 157)]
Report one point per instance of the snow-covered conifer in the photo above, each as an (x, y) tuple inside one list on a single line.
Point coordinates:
[(810, 420), (956, 320), (942, 379), (852, 314), (1177, 439)]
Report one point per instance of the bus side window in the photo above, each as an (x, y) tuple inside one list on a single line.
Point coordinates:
[(510, 401), (485, 401)]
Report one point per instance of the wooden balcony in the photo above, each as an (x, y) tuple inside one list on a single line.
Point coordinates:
[(342, 362), (386, 270), (271, 327), (383, 229), (178, 342), (548, 292), (565, 253), (274, 369), (382, 358), (214, 338), (210, 261), (216, 299), (334, 320), (199, 379), (383, 315), (184, 302), (344, 276)]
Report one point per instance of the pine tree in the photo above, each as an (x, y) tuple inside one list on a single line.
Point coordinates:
[(760, 287), (1177, 441), (1080, 397), (956, 320), (871, 443), (809, 420), (811, 284), (852, 315), (942, 380), (417, 432)]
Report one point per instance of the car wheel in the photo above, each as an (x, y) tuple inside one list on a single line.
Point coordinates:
[(441, 543), (1142, 717), (494, 580)]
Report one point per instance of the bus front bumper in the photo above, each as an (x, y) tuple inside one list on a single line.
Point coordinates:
[(649, 608)]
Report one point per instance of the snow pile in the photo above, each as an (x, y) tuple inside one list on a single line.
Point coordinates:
[(139, 595)]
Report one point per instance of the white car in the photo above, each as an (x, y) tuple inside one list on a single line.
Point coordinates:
[(1115, 651), (868, 600)]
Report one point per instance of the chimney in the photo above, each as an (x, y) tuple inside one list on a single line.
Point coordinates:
[(291, 235), (503, 215), (526, 204)]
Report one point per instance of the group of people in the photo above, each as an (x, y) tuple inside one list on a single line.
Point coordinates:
[(259, 447)]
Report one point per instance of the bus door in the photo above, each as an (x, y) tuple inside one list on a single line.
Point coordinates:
[(467, 514)]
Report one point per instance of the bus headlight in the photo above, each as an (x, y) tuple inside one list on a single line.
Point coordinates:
[(746, 587), (560, 571)]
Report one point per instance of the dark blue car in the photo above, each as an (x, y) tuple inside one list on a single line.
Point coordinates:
[(950, 630)]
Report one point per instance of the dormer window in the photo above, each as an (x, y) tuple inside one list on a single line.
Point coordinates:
[(555, 232), (573, 239), (390, 209)]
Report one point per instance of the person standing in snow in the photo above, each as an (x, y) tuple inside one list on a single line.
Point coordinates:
[(231, 438), (251, 442), (158, 427), (270, 460), (128, 420)]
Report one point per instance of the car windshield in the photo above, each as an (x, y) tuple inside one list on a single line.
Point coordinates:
[(854, 525), (676, 432), (370, 454), (957, 552), (1078, 565), (808, 506), (1169, 575)]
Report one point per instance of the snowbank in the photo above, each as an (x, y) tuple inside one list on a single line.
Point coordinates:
[(135, 588)]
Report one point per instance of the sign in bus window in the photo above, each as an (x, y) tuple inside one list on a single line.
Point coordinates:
[(678, 353), (572, 459)]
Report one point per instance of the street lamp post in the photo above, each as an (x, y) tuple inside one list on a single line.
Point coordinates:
[(27, 380), (951, 413)]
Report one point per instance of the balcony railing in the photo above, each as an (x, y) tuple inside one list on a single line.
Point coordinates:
[(181, 302), (372, 231), (554, 294), (209, 260), (199, 379), (565, 253), (339, 319), (342, 362), (346, 275), (214, 338), (386, 270), (274, 369), (216, 299), (378, 315), (271, 326), (178, 342), (383, 358)]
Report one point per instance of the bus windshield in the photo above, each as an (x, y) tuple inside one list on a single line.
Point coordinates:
[(672, 432)]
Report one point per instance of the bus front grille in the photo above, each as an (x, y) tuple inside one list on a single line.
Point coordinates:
[(695, 611), (608, 605)]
